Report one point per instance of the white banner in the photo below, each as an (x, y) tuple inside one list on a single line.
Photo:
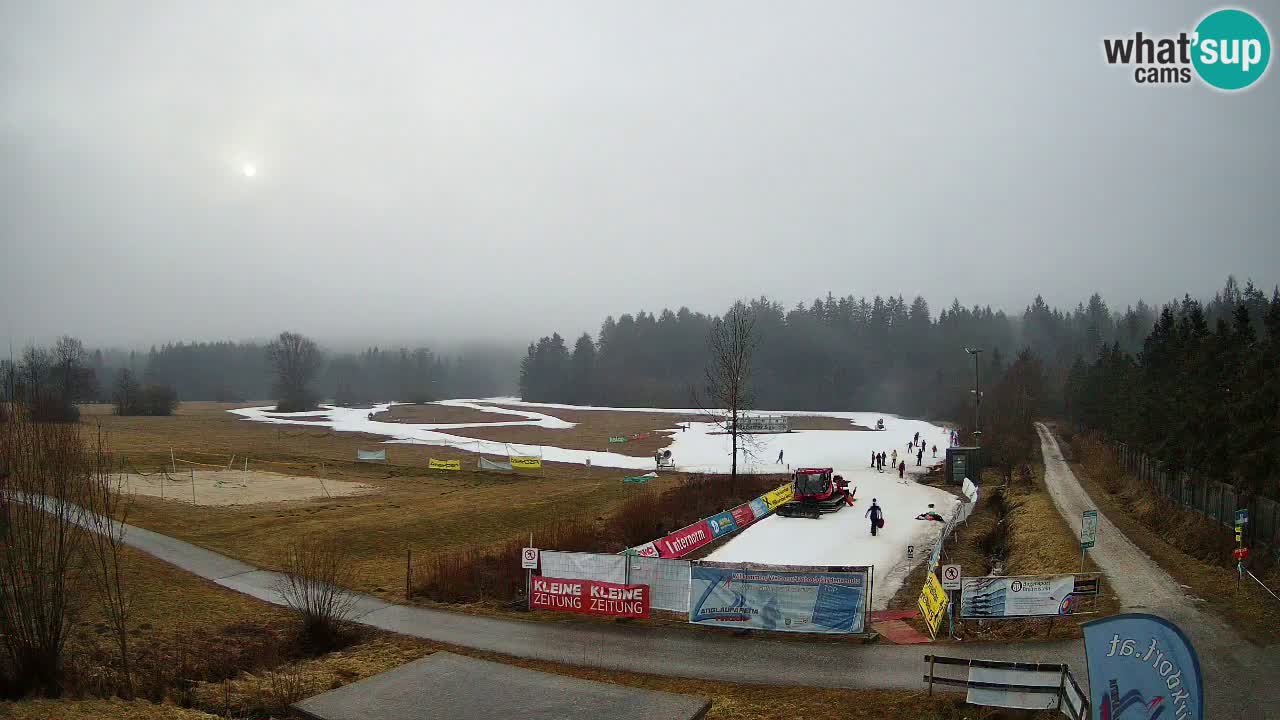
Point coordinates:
[(371, 455), (584, 566), (491, 465), (1014, 597), (970, 491), (1002, 697)]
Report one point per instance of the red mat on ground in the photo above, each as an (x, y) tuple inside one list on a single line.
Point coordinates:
[(899, 633), (882, 615)]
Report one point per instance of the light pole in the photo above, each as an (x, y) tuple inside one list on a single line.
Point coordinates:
[(977, 396)]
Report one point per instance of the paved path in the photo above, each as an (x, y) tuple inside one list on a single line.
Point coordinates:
[(1243, 681), (445, 686), (653, 650)]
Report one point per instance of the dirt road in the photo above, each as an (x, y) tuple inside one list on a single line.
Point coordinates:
[(1242, 680)]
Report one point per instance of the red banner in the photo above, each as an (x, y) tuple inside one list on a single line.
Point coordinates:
[(685, 540), (742, 515), (590, 597)]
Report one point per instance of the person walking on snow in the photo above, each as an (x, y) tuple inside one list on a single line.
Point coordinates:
[(902, 469), (920, 456), (873, 459), (935, 451), (895, 456), (917, 437), (877, 516), (779, 457)]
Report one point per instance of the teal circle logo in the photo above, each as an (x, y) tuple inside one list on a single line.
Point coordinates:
[(1232, 49)]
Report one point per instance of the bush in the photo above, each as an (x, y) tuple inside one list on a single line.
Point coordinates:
[(316, 573), (494, 573)]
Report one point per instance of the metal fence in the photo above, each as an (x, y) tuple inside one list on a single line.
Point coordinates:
[(1213, 499), (668, 580)]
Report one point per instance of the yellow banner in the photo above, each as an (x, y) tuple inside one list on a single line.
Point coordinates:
[(933, 603), (435, 464), (777, 496), (528, 462)]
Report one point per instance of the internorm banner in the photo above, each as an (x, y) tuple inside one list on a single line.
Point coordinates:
[(827, 600), (1016, 597), (435, 464), (527, 462)]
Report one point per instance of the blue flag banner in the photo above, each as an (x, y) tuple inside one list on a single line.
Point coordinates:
[(1142, 667)]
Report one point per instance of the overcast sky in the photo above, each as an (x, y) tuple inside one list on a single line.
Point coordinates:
[(430, 170)]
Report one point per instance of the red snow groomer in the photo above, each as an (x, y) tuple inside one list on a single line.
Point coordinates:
[(817, 492)]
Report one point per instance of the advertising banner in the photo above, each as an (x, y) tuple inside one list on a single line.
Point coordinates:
[(525, 462), (370, 455), (722, 524), (932, 602), (648, 550), (815, 600), (590, 597), (617, 439), (758, 508), (743, 515), (435, 464), (776, 497), (491, 465), (1014, 597), (1145, 662), (685, 540)]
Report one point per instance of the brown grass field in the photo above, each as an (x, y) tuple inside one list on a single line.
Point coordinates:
[(411, 507), (177, 615), (1022, 527), (1126, 503), (433, 413)]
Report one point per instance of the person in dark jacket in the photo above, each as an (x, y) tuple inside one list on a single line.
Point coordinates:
[(902, 469), (920, 456), (876, 514)]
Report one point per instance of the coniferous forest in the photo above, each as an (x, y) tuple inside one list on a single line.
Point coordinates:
[(1196, 383)]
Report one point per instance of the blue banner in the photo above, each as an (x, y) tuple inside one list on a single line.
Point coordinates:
[(1142, 667), (722, 524), (819, 601)]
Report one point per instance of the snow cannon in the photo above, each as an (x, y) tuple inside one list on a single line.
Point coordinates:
[(817, 491), (663, 460), (880, 424)]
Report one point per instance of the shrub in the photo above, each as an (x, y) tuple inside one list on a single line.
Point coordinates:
[(315, 575)]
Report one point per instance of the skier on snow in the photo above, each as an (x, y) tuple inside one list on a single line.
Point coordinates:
[(877, 516)]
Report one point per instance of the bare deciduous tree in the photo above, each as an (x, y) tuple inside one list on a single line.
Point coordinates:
[(107, 512), (316, 573), (297, 360), (730, 344), (41, 545)]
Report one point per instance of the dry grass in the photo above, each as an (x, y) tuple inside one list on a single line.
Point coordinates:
[(431, 512), (592, 430), (1018, 530), (1192, 549), (188, 604), (434, 413), (113, 709)]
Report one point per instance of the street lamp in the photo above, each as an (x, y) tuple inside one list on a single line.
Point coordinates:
[(977, 394)]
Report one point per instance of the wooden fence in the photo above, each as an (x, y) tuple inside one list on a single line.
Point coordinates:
[(1213, 499)]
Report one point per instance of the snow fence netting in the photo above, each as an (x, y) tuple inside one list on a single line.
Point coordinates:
[(668, 581)]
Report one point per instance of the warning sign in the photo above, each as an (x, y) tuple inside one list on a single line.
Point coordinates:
[(950, 577), (529, 559)]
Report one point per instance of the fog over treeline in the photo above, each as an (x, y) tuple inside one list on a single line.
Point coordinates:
[(833, 353), (841, 353)]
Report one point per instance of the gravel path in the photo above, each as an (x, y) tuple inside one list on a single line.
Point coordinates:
[(1243, 680)]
